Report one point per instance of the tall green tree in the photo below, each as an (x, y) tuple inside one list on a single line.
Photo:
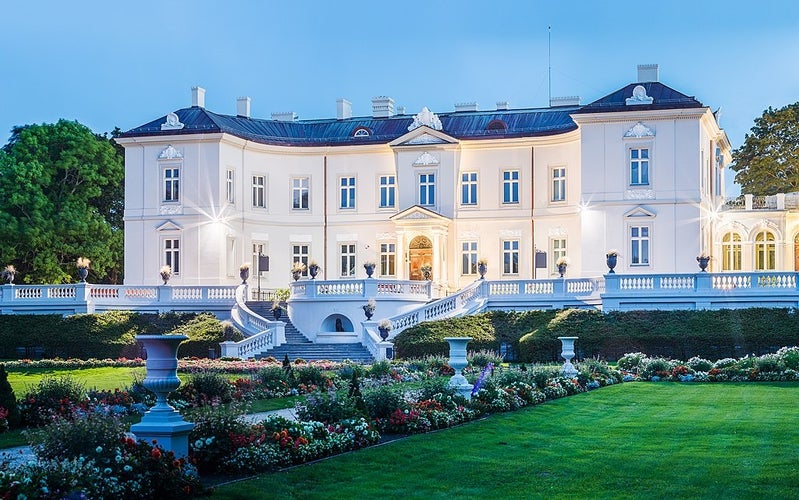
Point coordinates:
[(62, 198), (768, 161)]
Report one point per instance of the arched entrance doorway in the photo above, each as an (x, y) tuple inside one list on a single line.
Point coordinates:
[(420, 253)]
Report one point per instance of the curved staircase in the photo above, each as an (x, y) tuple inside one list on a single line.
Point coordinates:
[(298, 346)]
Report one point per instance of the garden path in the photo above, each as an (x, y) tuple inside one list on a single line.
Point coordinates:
[(23, 454)]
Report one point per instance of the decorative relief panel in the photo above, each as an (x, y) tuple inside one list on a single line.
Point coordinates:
[(510, 233), (639, 97), (170, 153), (385, 236), (172, 122), (426, 159), (558, 231), (471, 235), (170, 209), (427, 118), (639, 194), (426, 139), (639, 130)]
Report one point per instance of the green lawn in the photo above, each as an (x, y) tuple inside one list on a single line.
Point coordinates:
[(636, 440), (100, 378)]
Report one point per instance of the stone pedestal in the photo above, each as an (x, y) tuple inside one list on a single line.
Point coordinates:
[(457, 360), (568, 353)]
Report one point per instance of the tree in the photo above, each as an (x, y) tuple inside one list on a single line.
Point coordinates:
[(768, 161), (62, 198)]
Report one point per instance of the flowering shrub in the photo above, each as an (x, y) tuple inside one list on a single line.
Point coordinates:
[(52, 398), (3, 419)]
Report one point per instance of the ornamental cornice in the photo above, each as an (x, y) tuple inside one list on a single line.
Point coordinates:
[(635, 116)]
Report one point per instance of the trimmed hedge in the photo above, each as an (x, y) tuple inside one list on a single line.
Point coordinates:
[(106, 335), (676, 334)]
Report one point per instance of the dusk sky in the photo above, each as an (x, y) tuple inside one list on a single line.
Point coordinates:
[(108, 64)]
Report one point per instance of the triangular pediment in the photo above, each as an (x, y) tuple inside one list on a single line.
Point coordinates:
[(640, 213), (169, 225), (418, 213), (423, 135)]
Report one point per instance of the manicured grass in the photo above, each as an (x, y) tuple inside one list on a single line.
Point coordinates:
[(100, 378), (636, 440)]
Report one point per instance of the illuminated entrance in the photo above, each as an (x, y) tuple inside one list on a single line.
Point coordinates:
[(420, 257)]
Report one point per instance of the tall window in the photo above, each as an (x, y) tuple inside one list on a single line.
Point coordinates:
[(639, 166), (347, 198), (388, 189), (427, 189), (468, 257), (510, 257), (558, 248), (469, 188), (731, 252), (258, 191), (510, 186), (299, 253), (230, 187), (348, 260), (559, 184), (172, 255), (765, 251), (172, 184), (258, 249), (299, 193), (639, 245), (388, 259)]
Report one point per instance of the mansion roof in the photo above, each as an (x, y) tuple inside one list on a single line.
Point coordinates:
[(464, 125)]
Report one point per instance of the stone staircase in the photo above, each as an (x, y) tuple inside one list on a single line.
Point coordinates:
[(298, 346)]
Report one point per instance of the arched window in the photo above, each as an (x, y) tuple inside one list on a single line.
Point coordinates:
[(496, 126), (361, 132), (731, 252), (765, 251)]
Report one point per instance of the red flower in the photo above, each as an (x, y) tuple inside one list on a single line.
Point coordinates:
[(156, 453)]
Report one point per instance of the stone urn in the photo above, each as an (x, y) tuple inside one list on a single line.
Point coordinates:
[(482, 269), (383, 333), (277, 312), (369, 268), (562, 269), (244, 273), (313, 270), (296, 275), (369, 311), (611, 260), (457, 360), (83, 272), (162, 422), (703, 263), (567, 353)]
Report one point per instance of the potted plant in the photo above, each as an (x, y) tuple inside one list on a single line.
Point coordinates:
[(313, 268), (369, 308), (562, 263), (384, 326), (166, 273), (297, 269), (482, 267), (277, 311), (427, 271), (244, 272), (611, 258), (703, 259), (369, 266), (8, 274), (83, 268)]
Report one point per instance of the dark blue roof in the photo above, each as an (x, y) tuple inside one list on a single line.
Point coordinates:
[(460, 125), (664, 97)]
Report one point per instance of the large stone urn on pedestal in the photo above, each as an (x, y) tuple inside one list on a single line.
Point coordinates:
[(162, 422), (568, 353), (457, 360)]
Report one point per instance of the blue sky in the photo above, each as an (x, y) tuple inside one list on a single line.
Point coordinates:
[(123, 64)]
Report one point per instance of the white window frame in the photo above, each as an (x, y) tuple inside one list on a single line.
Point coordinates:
[(388, 259), (638, 181), (765, 250), (469, 258), (640, 244), (301, 186), (300, 252), (427, 188), (258, 191), (171, 183), (511, 186), (170, 253), (469, 188), (558, 248), (258, 248), (347, 192), (558, 176), (230, 186), (731, 251), (510, 257), (347, 259), (388, 191)]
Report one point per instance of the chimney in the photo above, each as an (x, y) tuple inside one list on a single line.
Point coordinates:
[(343, 109), (198, 97), (382, 107), (465, 106), (503, 105), (648, 73), (400, 110), (571, 100), (243, 107), (285, 116)]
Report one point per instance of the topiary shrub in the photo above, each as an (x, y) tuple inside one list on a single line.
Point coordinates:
[(205, 331), (8, 400)]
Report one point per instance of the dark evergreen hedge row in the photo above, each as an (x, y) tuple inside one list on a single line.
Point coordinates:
[(106, 335), (532, 335)]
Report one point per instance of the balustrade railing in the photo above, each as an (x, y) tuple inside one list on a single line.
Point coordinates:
[(366, 288)]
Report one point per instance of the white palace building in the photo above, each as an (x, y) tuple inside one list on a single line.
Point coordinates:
[(640, 170)]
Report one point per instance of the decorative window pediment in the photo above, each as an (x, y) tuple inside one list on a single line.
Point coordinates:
[(425, 160), (639, 97), (170, 153), (169, 225), (640, 213), (639, 130), (172, 122)]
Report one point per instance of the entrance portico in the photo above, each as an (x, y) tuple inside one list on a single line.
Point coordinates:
[(422, 239)]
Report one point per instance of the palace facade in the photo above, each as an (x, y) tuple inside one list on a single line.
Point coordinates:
[(640, 170)]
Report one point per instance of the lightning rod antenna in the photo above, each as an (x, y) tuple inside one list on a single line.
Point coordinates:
[(549, 62)]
